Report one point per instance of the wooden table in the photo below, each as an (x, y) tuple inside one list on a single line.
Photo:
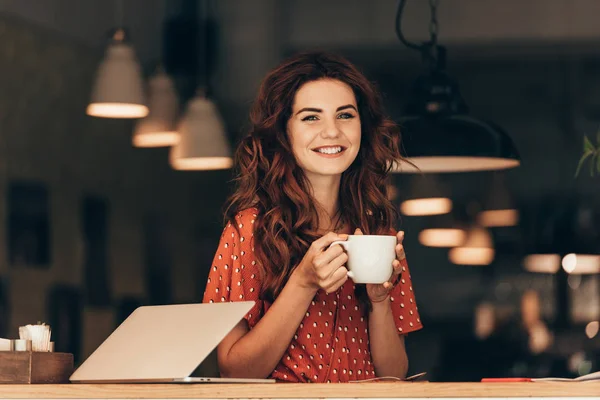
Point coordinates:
[(548, 390)]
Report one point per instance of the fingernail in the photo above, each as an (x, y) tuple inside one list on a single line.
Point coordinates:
[(343, 235)]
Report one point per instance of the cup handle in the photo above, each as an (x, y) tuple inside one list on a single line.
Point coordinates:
[(342, 243), (346, 246)]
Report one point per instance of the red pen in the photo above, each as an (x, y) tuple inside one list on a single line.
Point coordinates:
[(506, 380)]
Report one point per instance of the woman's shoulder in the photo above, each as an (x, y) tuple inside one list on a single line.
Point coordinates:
[(244, 220), (248, 213), (246, 216)]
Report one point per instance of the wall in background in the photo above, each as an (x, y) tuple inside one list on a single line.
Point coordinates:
[(88, 22), (48, 142)]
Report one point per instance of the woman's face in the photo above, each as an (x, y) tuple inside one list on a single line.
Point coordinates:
[(324, 128)]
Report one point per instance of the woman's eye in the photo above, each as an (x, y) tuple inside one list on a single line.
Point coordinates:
[(345, 116), (310, 118)]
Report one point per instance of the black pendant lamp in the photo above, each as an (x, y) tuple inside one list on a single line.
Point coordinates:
[(438, 134)]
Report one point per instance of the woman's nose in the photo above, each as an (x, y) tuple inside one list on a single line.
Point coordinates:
[(330, 130)]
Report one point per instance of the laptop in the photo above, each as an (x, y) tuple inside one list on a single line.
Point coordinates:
[(164, 344)]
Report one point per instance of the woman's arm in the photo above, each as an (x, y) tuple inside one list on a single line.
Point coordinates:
[(255, 353), (385, 331), (387, 345)]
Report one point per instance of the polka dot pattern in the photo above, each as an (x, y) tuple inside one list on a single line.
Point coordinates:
[(332, 342)]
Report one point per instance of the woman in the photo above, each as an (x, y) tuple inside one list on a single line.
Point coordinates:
[(312, 170)]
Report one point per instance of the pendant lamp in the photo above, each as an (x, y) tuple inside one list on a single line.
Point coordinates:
[(438, 133), (478, 248), (447, 230), (159, 127), (203, 143), (499, 208), (425, 198), (118, 88)]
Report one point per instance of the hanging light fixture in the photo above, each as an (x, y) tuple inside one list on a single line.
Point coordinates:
[(118, 89), (545, 263), (582, 226), (581, 263), (442, 237), (478, 248), (499, 210), (425, 198), (563, 233), (159, 129), (438, 134), (447, 230), (203, 143), (540, 232)]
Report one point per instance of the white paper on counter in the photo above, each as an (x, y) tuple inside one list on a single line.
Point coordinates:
[(5, 344)]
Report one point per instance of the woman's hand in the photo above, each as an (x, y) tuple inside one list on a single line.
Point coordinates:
[(323, 267), (380, 292)]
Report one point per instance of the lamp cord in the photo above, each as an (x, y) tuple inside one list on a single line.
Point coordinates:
[(430, 49), (209, 43), (399, 12), (119, 13), (433, 23)]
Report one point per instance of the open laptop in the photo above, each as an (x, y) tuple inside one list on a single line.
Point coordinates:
[(164, 344)]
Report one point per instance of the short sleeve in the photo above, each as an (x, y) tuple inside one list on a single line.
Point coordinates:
[(233, 274), (404, 306)]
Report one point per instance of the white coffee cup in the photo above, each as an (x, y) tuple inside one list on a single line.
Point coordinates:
[(370, 257)]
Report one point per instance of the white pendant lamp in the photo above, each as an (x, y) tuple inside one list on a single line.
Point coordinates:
[(499, 210), (118, 89), (159, 128), (425, 198), (581, 264), (478, 249), (442, 237), (446, 230), (545, 263), (203, 143)]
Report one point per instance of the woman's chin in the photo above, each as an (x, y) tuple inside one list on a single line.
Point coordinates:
[(333, 171)]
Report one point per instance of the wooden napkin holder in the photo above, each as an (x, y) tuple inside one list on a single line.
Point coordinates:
[(35, 367)]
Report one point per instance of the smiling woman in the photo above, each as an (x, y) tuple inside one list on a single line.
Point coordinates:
[(312, 170)]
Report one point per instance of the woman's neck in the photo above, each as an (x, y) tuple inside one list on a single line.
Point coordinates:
[(325, 191)]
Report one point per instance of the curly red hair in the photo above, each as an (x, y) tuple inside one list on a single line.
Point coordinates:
[(269, 179)]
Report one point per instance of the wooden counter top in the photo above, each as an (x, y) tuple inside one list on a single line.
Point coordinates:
[(304, 391)]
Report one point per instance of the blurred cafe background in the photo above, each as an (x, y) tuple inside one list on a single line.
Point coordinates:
[(118, 119)]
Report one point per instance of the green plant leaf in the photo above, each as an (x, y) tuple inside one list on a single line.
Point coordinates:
[(582, 160), (587, 145), (592, 166)]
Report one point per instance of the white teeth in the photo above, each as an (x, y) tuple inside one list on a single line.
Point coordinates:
[(330, 150)]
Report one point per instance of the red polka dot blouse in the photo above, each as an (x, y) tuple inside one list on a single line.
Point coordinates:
[(332, 342)]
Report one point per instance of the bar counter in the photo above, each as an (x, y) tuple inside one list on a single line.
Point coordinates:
[(371, 390)]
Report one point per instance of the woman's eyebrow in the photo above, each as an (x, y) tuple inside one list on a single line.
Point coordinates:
[(318, 110), (345, 107)]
